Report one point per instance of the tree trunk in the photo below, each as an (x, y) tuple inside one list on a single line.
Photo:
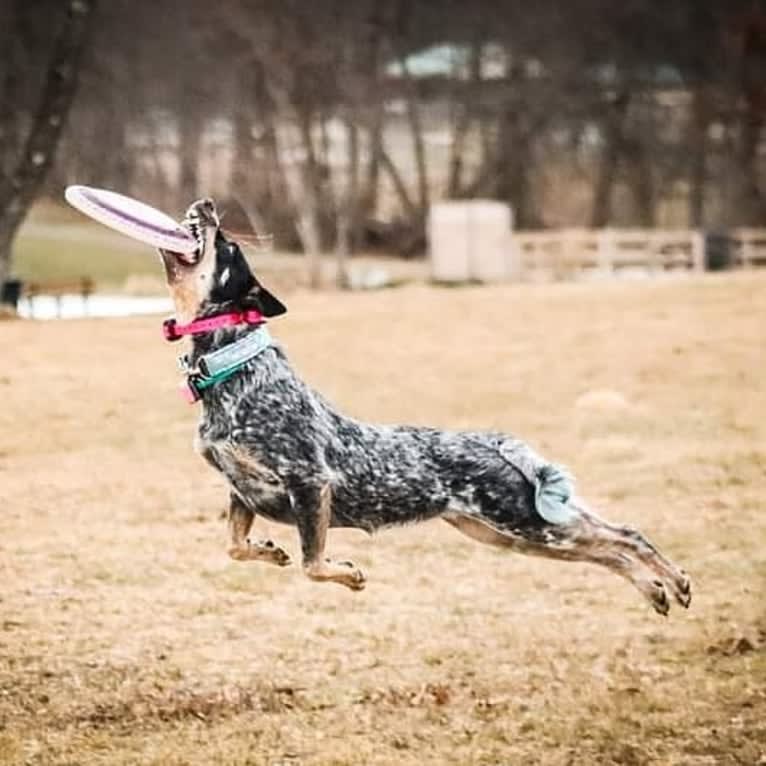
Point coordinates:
[(369, 200), (343, 249), (13, 67), (304, 189), (311, 163), (249, 184), (513, 185), (303, 186), (413, 113), (644, 187), (310, 234), (614, 133), (307, 200), (353, 192), (272, 198), (408, 206), (347, 219), (19, 188), (189, 144), (369, 91), (455, 164), (107, 164), (752, 208), (698, 170), (418, 145), (464, 115)]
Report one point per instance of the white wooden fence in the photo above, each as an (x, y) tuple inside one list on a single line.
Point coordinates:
[(567, 253), (750, 247), (473, 240)]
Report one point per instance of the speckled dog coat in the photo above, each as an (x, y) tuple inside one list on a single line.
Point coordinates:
[(292, 457)]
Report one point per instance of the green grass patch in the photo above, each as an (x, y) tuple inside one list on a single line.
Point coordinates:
[(64, 252)]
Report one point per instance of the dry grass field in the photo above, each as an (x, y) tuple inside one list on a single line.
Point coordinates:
[(128, 637)]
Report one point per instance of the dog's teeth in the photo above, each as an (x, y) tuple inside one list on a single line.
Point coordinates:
[(193, 223)]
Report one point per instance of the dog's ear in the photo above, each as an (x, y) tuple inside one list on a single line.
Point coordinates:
[(271, 306), (265, 302)]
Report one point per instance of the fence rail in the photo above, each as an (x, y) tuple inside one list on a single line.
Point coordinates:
[(750, 247), (565, 253)]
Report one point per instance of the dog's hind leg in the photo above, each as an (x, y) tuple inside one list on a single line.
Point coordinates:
[(313, 510), (581, 540), (635, 544), (240, 547)]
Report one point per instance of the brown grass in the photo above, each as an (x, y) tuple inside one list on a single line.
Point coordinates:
[(127, 636)]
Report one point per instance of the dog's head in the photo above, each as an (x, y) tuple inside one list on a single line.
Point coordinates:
[(215, 277)]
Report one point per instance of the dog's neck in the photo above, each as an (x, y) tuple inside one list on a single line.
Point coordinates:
[(219, 351), (205, 341)]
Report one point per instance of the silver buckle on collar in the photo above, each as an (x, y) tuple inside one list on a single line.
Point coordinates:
[(184, 364)]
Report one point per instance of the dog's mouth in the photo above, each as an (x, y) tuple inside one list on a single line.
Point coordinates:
[(200, 218)]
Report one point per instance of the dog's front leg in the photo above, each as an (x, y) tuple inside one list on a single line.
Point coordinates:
[(313, 509), (240, 547)]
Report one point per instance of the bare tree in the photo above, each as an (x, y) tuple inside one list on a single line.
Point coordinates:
[(27, 166)]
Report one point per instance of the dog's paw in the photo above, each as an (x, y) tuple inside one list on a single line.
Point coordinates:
[(342, 572), (659, 598), (280, 557), (354, 578), (262, 550), (284, 559), (683, 591), (273, 554)]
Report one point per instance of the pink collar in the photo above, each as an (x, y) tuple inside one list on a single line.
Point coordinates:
[(173, 331)]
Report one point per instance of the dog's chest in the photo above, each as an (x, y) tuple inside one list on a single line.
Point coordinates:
[(229, 457), (247, 472)]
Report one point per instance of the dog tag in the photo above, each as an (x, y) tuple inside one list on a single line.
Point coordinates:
[(189, 392)]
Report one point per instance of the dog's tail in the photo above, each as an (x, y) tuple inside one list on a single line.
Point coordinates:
[(554, 486), (553, 494)]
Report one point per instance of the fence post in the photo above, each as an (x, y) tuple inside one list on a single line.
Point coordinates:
[(698, 250), (653, 254), (747, 248), (605, 239)]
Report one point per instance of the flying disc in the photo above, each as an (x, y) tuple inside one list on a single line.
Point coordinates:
[(129, 216)]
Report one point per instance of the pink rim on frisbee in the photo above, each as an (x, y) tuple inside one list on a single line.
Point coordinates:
[(129, 216)]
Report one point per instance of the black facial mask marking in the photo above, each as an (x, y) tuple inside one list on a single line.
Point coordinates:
[(234, 283)]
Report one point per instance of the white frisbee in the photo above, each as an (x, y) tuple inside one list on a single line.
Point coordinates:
[(129, 216)]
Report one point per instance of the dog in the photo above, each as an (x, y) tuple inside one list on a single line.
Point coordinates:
[(291, 457)]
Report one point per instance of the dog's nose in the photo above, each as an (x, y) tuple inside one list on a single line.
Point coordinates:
[(204, 210)]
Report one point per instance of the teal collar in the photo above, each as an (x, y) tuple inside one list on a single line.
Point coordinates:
[(220, 365)]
